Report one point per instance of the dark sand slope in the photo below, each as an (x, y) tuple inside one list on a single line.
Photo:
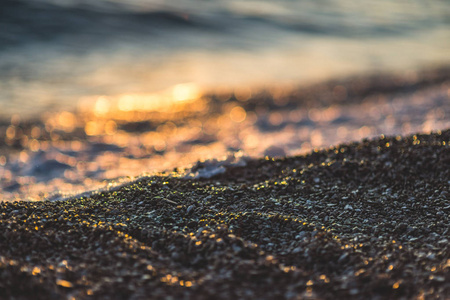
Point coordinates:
[(368, 220)]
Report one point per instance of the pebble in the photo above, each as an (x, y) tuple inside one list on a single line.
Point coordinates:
[(244, 242)]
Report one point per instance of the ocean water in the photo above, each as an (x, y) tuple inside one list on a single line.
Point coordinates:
[(94, 93), (52, 53)]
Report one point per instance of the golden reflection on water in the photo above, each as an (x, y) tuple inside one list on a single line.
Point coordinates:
[(238, 114), (121, 136), (162, 101)]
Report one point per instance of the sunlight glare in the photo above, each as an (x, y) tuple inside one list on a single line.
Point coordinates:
[(186, 91), (102, 105)]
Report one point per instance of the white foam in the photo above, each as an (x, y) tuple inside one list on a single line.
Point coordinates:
[(212, 167)]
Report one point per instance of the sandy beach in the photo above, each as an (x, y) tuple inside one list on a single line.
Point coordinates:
[(365, 220)]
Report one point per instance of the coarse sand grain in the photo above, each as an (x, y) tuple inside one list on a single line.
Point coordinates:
[(366, 220)]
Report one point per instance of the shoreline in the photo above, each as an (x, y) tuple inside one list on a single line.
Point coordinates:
[(358, 86), (364, 220), (69, 152)]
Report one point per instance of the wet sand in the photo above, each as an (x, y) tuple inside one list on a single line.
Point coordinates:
[(366, 220)]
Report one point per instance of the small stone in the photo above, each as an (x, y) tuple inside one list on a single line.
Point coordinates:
[(190, 209), (342, 257), (443, 242), (437, 278), (354, 292), (297, 250), (64, 283)]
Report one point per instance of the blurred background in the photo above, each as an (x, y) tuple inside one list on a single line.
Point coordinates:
[(54, 52), (101, 90)]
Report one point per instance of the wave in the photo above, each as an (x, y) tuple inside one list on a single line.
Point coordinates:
[(24, 22), (27, 22)]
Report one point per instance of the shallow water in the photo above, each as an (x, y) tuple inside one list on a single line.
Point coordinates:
[(109, 141)]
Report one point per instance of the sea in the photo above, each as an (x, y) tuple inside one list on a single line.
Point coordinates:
[(97, 93)]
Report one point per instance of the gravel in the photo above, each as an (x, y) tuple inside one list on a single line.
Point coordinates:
[(367, 220)]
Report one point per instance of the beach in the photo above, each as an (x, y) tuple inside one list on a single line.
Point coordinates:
[(336, 190), (365, 220), (224, 149)]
